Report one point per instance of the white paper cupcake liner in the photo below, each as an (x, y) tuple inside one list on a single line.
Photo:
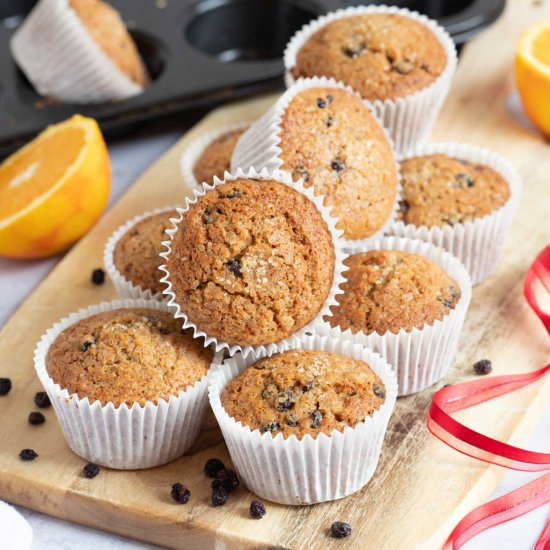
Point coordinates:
[(420, 357), (306, 471), (125, 288), (60, 58), (410, 118), (259, 145), (195, 149), (286, 179), (125, 437), (478, 243)]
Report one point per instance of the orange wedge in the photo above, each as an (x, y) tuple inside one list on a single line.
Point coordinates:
[(53, 189), (533, 74)]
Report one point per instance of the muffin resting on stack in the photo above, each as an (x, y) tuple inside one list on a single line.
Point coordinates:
[(301, 392)]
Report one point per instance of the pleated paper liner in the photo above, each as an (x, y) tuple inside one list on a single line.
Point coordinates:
[(125, 288), (305, 471), (410, 118), (478, 243), (422, 356), (286, 179), (259, 147), (122, 437), (61, 59)]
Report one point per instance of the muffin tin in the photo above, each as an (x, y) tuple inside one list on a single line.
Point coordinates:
[(197, 53)]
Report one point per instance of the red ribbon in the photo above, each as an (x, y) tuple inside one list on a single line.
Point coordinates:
[(469, 442)]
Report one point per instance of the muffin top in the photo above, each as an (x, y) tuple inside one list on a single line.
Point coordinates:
[(329, 138), (380, 55), (439, 190), (252, 262), (136, 254), (127, 356), (389, 290), (216, 157), (301, 392), (108, 31)]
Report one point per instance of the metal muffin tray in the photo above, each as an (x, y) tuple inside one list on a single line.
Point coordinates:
[(198, 52)]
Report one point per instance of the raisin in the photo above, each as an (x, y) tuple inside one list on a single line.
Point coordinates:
[(316, 418), (210, 216), (36, 418), (180, 493), (219, 496), (271, 427), (284, 401), (307, 386), (330, 121), (301, 172), (5, 386), (483, 367), (464, 180), (270, 391), (213, 466), (90, 470), (337, 165), (447, 303), (321, 103), (353, 53), (85, 346), (403, 67), (340, 530), (257, 509), (329, 98), (404, 206), (379, 391), (227, 479), (291, 420), (28, 454), (42, 400), (234, 266), (98, 276)]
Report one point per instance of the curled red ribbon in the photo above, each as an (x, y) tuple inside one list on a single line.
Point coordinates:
[(469, 442)]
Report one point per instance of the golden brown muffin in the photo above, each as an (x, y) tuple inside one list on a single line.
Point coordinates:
[(127, 356), (439, 190), (389, 290), (329, 138), (252, 262), (108, 31), (216, 157), (380, 55), (136, 254), (301, 392)]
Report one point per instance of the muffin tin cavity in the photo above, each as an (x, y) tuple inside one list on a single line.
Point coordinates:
[(247, 30), (197, 52)]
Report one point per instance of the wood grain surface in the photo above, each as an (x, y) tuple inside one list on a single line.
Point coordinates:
[(421, 488)]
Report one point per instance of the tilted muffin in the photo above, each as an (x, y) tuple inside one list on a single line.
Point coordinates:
[(252, 262), (301, 392), (215, 159), (380, 55), (136, 253), (78, 51), (127, 356), (390, 290), (326, 135), (439, 189)]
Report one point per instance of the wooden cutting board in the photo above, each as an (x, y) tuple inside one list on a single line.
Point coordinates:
[(421, 487)]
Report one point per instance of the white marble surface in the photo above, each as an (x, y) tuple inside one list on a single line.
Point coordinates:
[(129, 157)]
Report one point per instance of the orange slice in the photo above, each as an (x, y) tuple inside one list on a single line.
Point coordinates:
[(53, 189), (533, 74)]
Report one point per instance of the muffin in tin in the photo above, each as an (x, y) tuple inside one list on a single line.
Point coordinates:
[(301, 392)]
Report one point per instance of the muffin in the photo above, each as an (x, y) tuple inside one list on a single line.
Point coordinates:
[(128, 386), (301, 392), (327, 136), (215, 158), (78, 51), (391, 290), (304, 425), (127, 356), (252, 261), (459, 197), (132, 255), (439, 189), (399, 60)]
